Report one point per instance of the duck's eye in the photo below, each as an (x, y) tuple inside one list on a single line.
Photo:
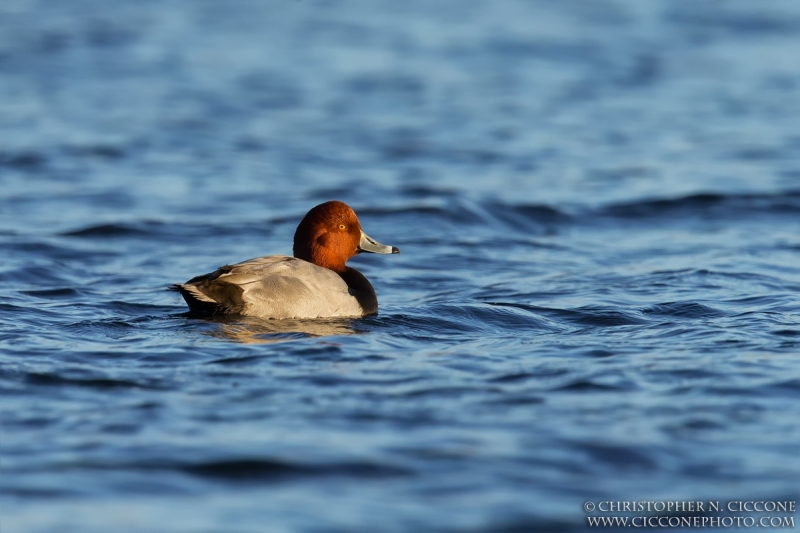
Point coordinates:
[(342, 226)]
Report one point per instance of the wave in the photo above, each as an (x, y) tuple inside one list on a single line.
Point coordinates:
[(713, 205), (272, 469), (530, 219), (92, 382), (108, 230), (683, 310)]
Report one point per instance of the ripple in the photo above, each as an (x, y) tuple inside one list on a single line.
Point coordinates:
[(618, 456), (708, 205), (683, 310), (61, 293), (56, 380), (583, 385), (513, 378), (29, 161), (787, 332), (266, 470), (593, 316), (107, 231), (528, 217)]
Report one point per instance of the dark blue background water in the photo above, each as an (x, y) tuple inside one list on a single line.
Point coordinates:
[(598, 297)]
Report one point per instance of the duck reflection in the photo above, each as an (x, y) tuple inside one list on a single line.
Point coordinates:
[(251, 330)]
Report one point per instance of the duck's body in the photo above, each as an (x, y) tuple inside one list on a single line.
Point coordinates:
[(315, 283), (279, 286)]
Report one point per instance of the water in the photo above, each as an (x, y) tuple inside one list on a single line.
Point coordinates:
[(598, 205)]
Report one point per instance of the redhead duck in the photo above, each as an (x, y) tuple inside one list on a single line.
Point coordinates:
[(315, 283)]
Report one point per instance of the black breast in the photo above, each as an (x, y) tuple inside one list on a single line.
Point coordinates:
[(361, 289)]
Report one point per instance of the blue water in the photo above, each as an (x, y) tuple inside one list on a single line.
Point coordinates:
[(598, 296)]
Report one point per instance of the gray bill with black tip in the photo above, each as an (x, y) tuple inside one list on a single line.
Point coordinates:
[(368, 244)]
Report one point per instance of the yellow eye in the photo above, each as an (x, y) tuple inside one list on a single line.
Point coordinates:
[(342, 226)]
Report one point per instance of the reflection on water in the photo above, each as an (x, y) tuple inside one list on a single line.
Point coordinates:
[(253, 330)]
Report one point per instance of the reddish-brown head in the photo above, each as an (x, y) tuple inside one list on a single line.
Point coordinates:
[(330, 234)]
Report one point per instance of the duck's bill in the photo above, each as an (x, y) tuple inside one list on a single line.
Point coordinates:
[(368, 244)]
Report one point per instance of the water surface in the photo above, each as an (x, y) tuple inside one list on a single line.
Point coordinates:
[(598, 205)]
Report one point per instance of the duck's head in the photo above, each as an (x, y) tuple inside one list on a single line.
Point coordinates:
[(330, 234)]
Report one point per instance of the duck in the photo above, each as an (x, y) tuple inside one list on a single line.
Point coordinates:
[(314, 283)]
